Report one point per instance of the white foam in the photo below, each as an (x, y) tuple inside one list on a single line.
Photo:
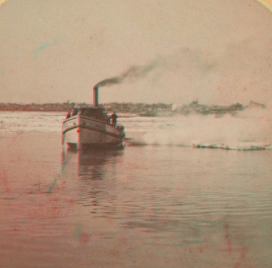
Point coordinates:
[(242, 132)]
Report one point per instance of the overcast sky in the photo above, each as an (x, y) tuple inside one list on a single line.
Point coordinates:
[(215, 50)]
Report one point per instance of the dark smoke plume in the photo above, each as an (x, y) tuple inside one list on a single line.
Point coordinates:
[(132, 73), (184, 57)]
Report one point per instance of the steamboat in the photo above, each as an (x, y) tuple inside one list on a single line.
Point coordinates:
[(89, 126)]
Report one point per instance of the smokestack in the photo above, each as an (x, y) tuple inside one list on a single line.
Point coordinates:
[(95, 96)]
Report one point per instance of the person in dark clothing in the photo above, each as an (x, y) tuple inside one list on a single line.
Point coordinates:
[(108, 119), (68, 115), (114, 119), (74, 112)]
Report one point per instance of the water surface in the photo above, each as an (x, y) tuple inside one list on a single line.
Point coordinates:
[(145, 206)]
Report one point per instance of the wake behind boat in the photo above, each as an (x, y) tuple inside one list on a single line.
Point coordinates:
[(91, 126)]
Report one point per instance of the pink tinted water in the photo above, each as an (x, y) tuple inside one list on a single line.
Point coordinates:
[(146, 206)]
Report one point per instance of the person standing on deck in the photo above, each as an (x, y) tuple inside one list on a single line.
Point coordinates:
[(68, 115), (114, 119)]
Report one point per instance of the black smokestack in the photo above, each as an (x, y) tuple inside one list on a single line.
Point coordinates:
[(96, 96)]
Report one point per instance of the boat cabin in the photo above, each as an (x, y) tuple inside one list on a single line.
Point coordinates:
[(91, 111), (95, 111)]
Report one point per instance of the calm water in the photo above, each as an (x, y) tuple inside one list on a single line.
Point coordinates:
[(163, 205)]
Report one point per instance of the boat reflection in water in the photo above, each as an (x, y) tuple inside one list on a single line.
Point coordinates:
[(93, 176), (96, 164)]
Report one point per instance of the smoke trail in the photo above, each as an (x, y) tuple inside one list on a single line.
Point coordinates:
[(108, 82), (223, 76), (133, 73), (180, 59)]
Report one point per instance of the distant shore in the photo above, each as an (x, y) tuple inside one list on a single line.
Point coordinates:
[(142, 109), (67, 106)]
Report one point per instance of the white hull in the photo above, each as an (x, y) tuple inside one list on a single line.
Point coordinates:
[(81, 131)]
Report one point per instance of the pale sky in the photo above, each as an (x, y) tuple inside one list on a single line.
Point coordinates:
[(215, 50)]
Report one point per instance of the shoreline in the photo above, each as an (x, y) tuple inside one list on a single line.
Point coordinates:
[(142, 109)]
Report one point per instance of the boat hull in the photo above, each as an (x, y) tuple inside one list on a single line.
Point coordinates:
[(80, 132)]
